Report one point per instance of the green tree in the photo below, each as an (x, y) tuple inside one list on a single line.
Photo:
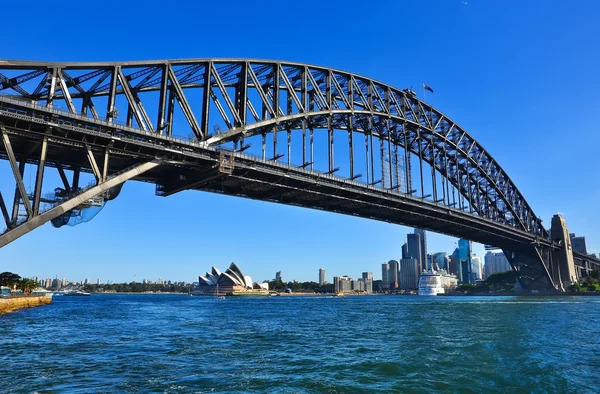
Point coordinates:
[(9, 279), (27, 285)]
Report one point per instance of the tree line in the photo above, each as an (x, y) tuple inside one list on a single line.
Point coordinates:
[(13, 280), (135, 287)]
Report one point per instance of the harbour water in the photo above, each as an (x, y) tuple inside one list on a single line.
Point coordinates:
[(176, 343)]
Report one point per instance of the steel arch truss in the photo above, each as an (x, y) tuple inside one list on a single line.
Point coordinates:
[(245, 98)]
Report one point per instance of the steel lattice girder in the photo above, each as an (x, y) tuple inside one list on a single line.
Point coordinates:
[(286, 96)]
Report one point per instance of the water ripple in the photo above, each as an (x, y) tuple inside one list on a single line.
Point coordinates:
[(180, 344)]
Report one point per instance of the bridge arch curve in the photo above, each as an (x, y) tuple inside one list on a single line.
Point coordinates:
[(252, 97)]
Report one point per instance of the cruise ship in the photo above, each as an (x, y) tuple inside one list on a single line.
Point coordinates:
[(432, 282)]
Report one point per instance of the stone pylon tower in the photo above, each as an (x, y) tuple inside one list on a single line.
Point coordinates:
[(563, 266)]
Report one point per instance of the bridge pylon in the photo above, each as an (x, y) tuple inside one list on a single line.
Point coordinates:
[(563, 264)]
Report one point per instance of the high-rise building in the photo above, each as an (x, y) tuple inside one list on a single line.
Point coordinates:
[(393, 273), (367, 275), (368, 285), (578, 244), (476, 268), (464, 260), (98, 281), (414, 250), (405, 251), (321, 276), (495, 262), (278, 276), (342, 284), (385, 275), (423, 236), (441, 261), (453, 267), (48, 283), (409, 274)]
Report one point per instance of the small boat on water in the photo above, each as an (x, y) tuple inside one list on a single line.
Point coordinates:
[(76, 293)]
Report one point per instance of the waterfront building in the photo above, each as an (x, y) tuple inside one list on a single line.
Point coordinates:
[(342, 284), (378, 285), (393, 273), (48, 283), (358, 285), (217, 282), (441, 261), (321, 276), (368, 285), (278, 276), (423, 241), (409, 274), (464, 260), (385, 275), (495, 262), (578, 244), (414, 250), (476, 268), (367, 275)]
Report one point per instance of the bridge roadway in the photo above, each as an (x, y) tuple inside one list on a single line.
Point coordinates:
[(188, 165)]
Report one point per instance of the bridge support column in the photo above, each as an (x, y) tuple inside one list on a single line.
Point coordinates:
[(563, 267), (530, 264)]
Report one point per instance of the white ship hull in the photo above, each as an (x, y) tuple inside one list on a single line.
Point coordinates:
[(430, 291)]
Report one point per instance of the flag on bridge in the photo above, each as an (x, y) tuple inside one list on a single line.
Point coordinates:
[(427, 87)]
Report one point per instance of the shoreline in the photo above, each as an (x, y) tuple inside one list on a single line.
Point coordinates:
[(11, 304)]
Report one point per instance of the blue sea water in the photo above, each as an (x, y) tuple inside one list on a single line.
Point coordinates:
[(181, 344)]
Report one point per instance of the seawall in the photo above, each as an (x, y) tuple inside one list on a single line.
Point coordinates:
[(14, 303)]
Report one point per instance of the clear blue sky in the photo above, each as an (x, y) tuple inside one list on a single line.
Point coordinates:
[(521, 77)]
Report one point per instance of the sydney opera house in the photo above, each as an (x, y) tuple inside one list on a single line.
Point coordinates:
[(232, 282)]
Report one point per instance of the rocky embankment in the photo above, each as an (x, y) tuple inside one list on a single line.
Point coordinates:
[(14, 303)]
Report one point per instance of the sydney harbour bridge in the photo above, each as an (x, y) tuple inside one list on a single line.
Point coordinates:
[(283, 132)]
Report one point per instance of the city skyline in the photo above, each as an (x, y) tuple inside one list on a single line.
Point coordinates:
[(123, 237)]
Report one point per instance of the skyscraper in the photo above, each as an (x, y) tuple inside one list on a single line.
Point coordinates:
[(442, 261), (476, 268), (578, 244), (409, 274), (405, 251), (414, 250), (464, 260), (385, 275), (367, 275), (495, 262), (453, 267), (423, 236), (321, 276), (393, 273), (278, 276)]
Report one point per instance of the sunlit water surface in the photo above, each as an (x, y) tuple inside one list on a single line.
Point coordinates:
[(177, 343)]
